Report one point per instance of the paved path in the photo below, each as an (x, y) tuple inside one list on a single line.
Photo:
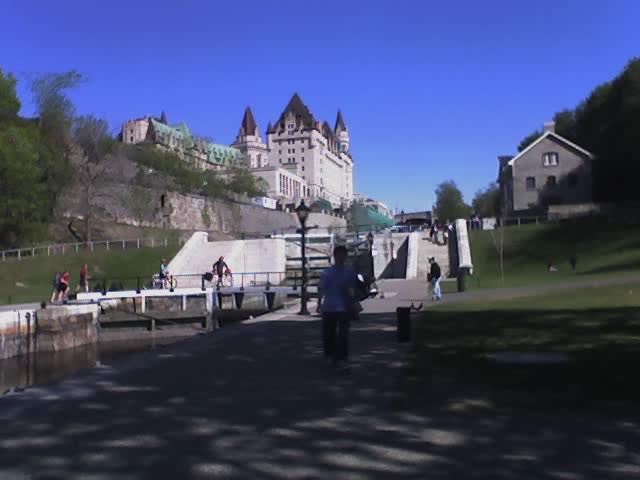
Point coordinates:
[(256, 401)]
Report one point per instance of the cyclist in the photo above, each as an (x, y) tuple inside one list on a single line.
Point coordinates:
[(221, 269)]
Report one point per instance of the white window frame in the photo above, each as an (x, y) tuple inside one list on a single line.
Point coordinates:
[(550, 159)]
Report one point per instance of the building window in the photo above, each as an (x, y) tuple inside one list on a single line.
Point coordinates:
[(550, 159), (551, 181), (303, 168), (132, 138), (280, 152), (302, 149), (573, 180), (293, 150), (531, 183)]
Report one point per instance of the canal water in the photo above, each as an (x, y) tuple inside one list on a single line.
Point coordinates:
[(28, 370)]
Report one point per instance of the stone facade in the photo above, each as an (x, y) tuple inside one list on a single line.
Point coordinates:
[(47, 330), (311, 150), (550, 171)]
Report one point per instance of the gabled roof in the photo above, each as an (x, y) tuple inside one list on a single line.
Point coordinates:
[(340, 126), (555, 136), (248, 125)]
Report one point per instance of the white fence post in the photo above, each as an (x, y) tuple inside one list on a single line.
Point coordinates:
[(152, 243), (107, 244), (138, 243), (48, 251), (62, 249), (76, 248), (165, 241), (18, 254), (3, 259), (33, 252), (91, 246), (123, 244)]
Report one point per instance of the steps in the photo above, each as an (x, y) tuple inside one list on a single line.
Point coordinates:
[(428, 249)]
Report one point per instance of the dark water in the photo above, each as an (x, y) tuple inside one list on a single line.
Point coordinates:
[(40, 368)]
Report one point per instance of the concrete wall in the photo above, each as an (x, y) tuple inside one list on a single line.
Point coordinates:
[(47, 330), (531, 165), (243, 257), (413, 254), (464, 247)]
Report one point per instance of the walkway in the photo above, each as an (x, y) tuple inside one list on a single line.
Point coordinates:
[(256, 401)]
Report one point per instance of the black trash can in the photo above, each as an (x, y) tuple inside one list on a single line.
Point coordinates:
[(404, 324)]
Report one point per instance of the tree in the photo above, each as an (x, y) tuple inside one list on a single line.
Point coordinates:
[(528, 140), (55, 118), (23, 196), (486, 203), (242, 181), (9, 102), (498, 243), (449, 202), (95, 146)]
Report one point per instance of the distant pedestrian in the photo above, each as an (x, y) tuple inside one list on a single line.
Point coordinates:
[(574, 262), (63, 285), (56, 284), (435, 275), (338, 303), (84, 279), (164, 273)]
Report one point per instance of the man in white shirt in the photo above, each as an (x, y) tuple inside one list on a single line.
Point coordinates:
[(337, 300)]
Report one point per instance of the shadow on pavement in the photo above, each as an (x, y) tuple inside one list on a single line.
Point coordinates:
[(261, 403)]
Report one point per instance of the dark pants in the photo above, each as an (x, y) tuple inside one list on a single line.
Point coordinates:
[(335, 335)]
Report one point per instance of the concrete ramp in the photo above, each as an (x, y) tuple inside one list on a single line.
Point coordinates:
[(253, 262)]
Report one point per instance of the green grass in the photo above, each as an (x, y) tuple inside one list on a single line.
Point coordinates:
[(31, 279), (598, 328), (601, 248)]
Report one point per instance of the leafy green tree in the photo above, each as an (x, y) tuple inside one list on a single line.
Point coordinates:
[(242, 181), (23, 195), (450, 202), (9, 102), (486, 203)]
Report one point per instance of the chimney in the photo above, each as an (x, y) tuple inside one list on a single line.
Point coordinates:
[(549, 127)]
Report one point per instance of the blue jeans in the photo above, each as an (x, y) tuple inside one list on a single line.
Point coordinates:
[(435, 289)]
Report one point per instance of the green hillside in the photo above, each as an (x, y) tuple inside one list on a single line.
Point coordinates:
[(601, 247), (31, 279)]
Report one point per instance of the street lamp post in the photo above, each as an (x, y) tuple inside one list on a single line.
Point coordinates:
[(302, 211), (373, 268)]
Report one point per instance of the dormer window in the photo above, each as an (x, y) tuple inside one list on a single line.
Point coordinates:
[(550, 159)]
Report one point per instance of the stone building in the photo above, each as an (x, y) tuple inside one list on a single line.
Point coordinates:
[(550, 171), (303, 149), (178, 139)]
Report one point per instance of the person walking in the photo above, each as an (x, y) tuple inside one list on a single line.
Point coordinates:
[(338, 303), (84, 279), (63, 285), (435, 275), (56, 284)]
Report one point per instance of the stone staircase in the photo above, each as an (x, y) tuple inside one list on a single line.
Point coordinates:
[(428, 249)]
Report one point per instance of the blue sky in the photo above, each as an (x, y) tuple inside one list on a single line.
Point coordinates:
[(429, 90)]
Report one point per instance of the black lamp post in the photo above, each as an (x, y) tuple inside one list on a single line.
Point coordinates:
[(302, 211), (373, 269)]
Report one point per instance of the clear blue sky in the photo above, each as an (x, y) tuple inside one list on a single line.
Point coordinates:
[(430, 90)]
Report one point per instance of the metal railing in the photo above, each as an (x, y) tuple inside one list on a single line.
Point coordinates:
[(153, 282), (79, 247)]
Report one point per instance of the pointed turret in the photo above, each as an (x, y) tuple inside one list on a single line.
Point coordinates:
[(163, 118), (340, 125), (342, 133), (248, 125)]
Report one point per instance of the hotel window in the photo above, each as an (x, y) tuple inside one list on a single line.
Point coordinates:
[(293, 150), (551, 181), (302, 149), (550, 159)]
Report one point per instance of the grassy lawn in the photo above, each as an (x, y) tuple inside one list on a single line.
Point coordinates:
[(31, 279), (598, 328), (601, 248)]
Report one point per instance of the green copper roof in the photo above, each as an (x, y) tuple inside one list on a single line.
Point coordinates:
[(182, 137)]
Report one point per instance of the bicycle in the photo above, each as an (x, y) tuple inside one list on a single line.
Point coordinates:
[(170, 282), (227, 280)]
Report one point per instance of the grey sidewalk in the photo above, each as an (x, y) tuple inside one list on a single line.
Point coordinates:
[(256, 401)]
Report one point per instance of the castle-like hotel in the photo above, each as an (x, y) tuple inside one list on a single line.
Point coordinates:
[(302, 157)]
